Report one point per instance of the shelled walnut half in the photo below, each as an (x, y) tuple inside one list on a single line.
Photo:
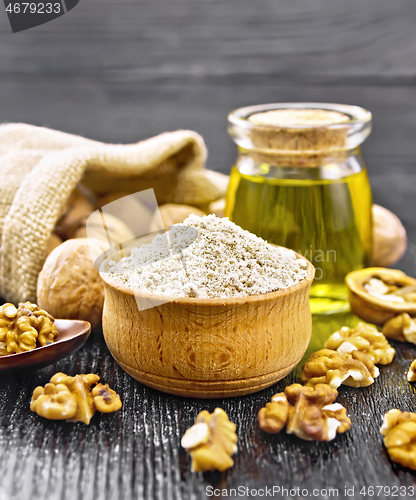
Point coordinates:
[(273, 417), (74, 398), (211, 441), (364, 338), (327, 366), (24, 328), (401, 327), (399, 431), (309, 413)]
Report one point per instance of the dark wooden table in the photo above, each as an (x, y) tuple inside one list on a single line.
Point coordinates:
[(122, 71)]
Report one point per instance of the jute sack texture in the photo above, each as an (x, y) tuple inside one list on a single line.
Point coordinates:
[(41, 167)]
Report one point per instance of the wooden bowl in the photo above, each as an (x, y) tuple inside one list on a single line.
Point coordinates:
[(208, 348)]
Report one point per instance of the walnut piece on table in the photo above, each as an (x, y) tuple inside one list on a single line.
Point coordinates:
[(327, 366), (105, 399), (273, 417), (401, 327), (411, 374), (211, 441), (73, 398), (309, 413), (399, 431), (365, 338), (24, 328)]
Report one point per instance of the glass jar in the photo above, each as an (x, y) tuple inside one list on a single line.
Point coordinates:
[(300, 181)]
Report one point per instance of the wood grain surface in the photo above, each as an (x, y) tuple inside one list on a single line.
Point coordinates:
[(122, 71)]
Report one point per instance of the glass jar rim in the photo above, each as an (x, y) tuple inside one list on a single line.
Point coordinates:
[(295, 139), (356, 114)]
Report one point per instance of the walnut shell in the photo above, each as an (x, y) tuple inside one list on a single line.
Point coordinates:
[(173, 214), (390, 240), (69, 286), (114, 232), (217, 207), (80, 208), (371, 308), (53, 242)]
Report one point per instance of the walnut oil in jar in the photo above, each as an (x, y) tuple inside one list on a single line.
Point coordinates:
[(300, 181)]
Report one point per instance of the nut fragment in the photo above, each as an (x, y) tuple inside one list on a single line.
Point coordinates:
[(313, 415), (273, 417), (105, 399), (401, 327), (24, 328), (399, 431), (309, 413), (330, 367), (211, 441), (196, 435), (411, 374), (364, 338), (71, 398)]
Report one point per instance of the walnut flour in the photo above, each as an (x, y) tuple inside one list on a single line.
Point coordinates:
[(218, 259)]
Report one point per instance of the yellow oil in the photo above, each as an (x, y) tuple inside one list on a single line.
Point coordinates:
[(328, 221)]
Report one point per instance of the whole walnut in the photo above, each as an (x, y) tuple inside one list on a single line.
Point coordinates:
[(69, 287), (171, 214), (74, 214), (114, 232), (390, 240)]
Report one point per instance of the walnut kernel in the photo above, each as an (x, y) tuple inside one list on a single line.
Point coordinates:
[(24, 328), (330, 367), (401, 327), (54, 401), (399, 431), (309, 413), (73, 399), (211, 441), (364, 338), (273, 417), (105, 399)]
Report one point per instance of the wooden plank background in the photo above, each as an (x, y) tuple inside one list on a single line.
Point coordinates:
[(126, 70)]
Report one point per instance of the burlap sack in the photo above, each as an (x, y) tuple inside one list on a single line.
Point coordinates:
[(40, 168)]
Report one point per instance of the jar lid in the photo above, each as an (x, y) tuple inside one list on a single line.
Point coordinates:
[(293, 128)]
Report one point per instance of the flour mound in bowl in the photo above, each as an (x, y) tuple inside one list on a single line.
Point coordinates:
[(220, 260)]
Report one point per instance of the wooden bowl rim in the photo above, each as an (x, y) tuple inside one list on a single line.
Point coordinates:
[(264, 297)]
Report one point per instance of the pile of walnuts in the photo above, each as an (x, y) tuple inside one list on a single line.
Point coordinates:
[(24, 328)]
